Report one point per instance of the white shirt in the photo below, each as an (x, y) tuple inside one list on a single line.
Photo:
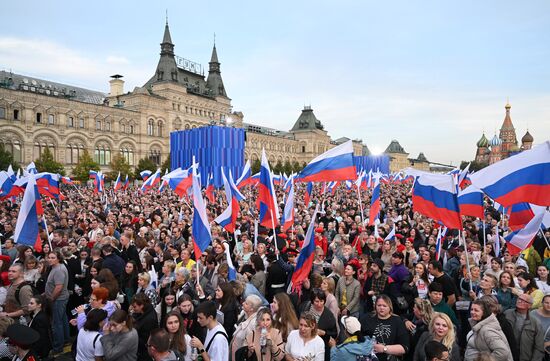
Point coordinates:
[(313, 350), (219, 348), (85, 350)]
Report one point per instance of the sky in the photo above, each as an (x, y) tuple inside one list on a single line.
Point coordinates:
[(432, 74)]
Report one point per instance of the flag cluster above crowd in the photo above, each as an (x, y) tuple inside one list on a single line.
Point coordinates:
[(332, 233)]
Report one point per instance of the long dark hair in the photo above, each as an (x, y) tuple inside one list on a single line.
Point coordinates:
[(164, 306), (177, 341), (45, 305), (228, 294)]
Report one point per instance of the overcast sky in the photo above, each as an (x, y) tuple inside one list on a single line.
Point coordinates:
[(432, 74)]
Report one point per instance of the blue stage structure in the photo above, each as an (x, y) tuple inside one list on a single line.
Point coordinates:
[(213, 147), (373, 162)]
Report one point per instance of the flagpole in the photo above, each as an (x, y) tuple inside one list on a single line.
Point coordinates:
[(53, 205), (78, 190), (461, 236), (360, 204), (546, 239), (47, 233), (274, 234)]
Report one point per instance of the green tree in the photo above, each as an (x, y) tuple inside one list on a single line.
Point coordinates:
[(6, 158), (287, 168), (119, 164), (296, 167), (278, 167), (165, 165), (47, 163), (255, 167), (145, 164), (85, 164)]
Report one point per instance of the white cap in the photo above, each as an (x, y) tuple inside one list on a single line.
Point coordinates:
[(351, 324)]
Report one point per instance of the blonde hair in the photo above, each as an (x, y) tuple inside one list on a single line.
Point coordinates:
[(449, 338), (331, 285), (425, 308), (146, 276)]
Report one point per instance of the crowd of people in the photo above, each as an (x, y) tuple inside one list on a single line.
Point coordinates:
[(118, 278)]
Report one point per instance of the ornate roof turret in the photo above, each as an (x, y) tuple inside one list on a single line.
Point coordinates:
[(214, 81), (307, 120), (483, 142), (496, 141), (395, 147), (527, 138), (167, 69), (422, 158)]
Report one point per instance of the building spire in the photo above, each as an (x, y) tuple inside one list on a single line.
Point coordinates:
[(214, 81)]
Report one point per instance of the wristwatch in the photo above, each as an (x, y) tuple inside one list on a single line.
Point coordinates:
[(201, 351), (385, 349)]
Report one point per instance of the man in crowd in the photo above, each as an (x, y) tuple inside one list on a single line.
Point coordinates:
[(57, 292), (217, 346)]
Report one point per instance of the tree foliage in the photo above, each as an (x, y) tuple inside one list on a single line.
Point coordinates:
[(47, 163), (6, 158), (81, 171), (255, 166), (474, 166), (119, 164), (165, 165), (145, 164)]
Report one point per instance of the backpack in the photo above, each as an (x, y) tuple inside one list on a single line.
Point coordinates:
[(34, 290)]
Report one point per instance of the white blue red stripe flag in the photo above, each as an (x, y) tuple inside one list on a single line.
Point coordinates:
[(269, 210), (307, 254), (391, 235), (334, 165), (145, 174), (470, 202), (201, 226), (232, 274), (434, 195), (522, 238), (525, 177), (288, 214), (26, 228), (246, 176)]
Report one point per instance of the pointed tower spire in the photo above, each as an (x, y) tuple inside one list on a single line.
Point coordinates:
[(167, 69), (214, 81)]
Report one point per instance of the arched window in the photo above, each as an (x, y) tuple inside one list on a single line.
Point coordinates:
[(102, 154), (150, 127), (13, 146), (131, 129), (128, 154), (159, 128), (41, 145), (154, 156), (74, 152)]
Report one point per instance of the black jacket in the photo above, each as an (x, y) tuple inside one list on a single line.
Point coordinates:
[(144, 323), (41, 324)]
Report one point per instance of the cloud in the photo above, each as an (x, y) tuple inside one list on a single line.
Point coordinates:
[(53, 61)]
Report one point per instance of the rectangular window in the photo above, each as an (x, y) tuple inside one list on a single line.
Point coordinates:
[(81, 122), (2, 113), (75, 155), (16, 114), (17, 152), (70, 122), (39, 117), (51, 119)]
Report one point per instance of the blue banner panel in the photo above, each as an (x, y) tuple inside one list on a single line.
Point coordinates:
[(373, 162), (213, 147)]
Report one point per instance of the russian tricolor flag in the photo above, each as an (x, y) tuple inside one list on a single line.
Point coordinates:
[(521, 239), (99, 181), (6, 184), (334, 165), (163, 182), (31, 168), (434, 195), (48, 184), (126, 183), (180, 181), (26, 229), (288, 214), (151, 181), (309, 190), (232, 274), (210, 189), (307, 254), (519, 215), (145, 174), (246, 176), (440, 234), (269, 211), (228, 218), (470, 202), (375, 202), (525, 177), (67, 180), (391, 235), (201, 226), (118, 184)]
